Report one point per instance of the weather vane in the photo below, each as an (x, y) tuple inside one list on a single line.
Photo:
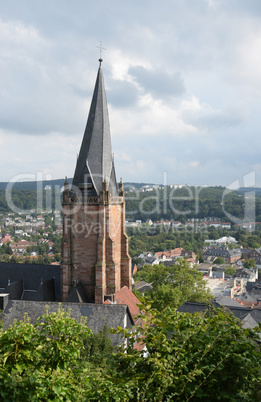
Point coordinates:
[(101, 49)]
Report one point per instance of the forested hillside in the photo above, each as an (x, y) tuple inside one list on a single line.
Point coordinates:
[(179, 204), (24, 200), (188, 202)]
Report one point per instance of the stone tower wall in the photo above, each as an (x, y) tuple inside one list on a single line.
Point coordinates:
[(95, 249), (79, 248)]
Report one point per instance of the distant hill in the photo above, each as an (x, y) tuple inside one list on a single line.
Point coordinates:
[(243, 190), (34, 185), (162, 204)]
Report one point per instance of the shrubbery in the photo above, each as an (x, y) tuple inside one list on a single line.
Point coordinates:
[(199, 357)]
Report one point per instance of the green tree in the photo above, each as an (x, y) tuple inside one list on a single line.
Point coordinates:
[(199, 357), (57, 257), (41, 362), (166, 295), (28, 260), (16, 259), (98, 348), (172, 286), (47, 259), (40, 260), (231, 271), (57, 245), (249, 263), (219, 260), (6, 249), (200, 256)]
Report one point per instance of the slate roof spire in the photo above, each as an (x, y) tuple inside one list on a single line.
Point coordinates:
[(95, 162)]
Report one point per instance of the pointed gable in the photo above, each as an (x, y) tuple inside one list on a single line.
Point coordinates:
[(125, 296), (113, 183), (95, 162)]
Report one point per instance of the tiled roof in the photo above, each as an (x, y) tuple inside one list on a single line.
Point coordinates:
[(170, 253), (125, 296), (6, 239)]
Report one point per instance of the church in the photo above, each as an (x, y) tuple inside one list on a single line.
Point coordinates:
[(95, 277), (95, 258)]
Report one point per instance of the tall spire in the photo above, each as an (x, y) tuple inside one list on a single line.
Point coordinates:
[(95, 162)]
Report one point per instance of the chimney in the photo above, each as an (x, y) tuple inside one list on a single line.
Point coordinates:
[(4, 299)]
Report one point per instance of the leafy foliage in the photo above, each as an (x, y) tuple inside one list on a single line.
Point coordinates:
[(41, 361), (172, 286), (98, 347), (187, 357), (230, 271), (26, 199), (219, 260), (250, 263), (190, 357)]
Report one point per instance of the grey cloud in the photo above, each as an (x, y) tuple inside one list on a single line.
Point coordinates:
[(212, 119), (157, 82), (46, 85), (84, 93), (122, 93), (41, 112), (252, 7)]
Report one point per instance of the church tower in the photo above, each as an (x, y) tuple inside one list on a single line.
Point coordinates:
[(95, 258)]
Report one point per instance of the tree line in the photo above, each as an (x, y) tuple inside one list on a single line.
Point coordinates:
[(160, 239), (179, 204)]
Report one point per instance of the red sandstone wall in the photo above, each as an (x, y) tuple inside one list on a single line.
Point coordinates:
[(95, 250), (80, 243), (113, 248)]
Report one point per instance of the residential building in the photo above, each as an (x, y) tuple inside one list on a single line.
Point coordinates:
[(230, 255)]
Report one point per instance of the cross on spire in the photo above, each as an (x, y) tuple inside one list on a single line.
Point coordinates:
[(101, 49)]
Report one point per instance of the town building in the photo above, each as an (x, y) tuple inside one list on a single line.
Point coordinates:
[(221, 241), (230, 255)]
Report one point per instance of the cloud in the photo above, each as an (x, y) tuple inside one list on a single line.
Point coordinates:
[(205, 117), (252, 8), (36, 94), (159, 83), (124, 157), (247, 59), (194, 163), (122, 93), (38, 154), (182, 78)]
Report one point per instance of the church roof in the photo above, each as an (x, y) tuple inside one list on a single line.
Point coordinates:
[(95, 162), (30, 281), (98, 315)]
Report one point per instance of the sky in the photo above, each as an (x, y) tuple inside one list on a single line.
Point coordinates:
[(183, 84)]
